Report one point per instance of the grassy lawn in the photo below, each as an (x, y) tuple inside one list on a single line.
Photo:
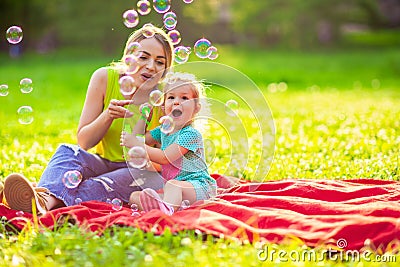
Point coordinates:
[(336, 116)]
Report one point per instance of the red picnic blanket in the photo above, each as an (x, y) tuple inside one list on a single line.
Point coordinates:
[(316, 212)]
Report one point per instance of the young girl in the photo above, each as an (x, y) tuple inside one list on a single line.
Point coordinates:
[(181, 154)]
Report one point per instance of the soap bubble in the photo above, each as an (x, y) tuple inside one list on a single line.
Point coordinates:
[(145, 110), (148, 30), (187, 1), (156, 98), (135, 210), (213, 52), (25, 115), (131, 64), (137, 157), (181, 54), (127, 85), (4, 90), (201, 48), (161, 6), (14, 35), (231, 107), (185, 204), (170, 14), (167, 124), (133, 48), (131, 18), (170, 20), (72, 179), (143, 7), (19, 213), (134, 207), (25, 85), (116, 204), (175, 37), (78, 201)]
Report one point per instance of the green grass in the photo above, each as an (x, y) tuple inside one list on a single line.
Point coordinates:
[(336, 115)]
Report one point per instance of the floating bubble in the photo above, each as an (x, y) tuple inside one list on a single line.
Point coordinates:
[(127, 85), (131, 64), (175, 37), (201, 48), (181, 54), (133, 48), (135, 210), (134, 207), (25, 115), (282, 86), (116, 204), (137, 157), (161, 6), (145, 110), (148, 30), (185, 204), (170, 20), (143, 7), (25, 85), (19, 213), (170, 14), (156, 98), (213, 52), (187, 1), (167, 124), (72, 179), (231, 107), (4, 90), (78, 201), (375, 83), (170, 23), (170, 78), (131, 18), (14, 34)]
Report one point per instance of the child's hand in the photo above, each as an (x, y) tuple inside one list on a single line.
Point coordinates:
[(130, 140)]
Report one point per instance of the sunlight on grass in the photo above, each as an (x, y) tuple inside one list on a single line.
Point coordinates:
[(338, 122), (337, 134)]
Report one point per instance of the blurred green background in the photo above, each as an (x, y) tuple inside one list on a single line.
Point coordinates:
[(289, 24)]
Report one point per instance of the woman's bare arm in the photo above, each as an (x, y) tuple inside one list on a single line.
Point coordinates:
[(94, 122)]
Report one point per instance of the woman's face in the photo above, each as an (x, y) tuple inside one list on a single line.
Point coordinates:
[(152, 62)]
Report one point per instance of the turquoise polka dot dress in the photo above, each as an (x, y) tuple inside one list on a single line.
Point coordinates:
[(191, 167)]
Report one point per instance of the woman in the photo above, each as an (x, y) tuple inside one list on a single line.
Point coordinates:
[(105, 174)]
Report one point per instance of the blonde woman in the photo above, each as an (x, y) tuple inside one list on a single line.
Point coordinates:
[(105, 174)]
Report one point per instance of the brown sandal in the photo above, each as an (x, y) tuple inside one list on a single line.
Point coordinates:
[(19, 193)]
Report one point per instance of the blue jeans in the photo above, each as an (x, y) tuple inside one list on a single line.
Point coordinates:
[(102, 179)]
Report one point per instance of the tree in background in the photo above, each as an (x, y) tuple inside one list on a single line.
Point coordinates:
[(93, 24), (293, 23)]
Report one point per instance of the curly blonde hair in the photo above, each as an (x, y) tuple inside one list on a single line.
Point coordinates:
[(176, 79)]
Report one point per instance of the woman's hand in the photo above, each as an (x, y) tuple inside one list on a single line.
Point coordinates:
[(117, 110)]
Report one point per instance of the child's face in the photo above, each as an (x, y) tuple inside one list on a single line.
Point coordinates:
[(181, 105)]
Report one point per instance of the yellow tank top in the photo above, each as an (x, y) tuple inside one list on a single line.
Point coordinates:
[(109, 147)]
